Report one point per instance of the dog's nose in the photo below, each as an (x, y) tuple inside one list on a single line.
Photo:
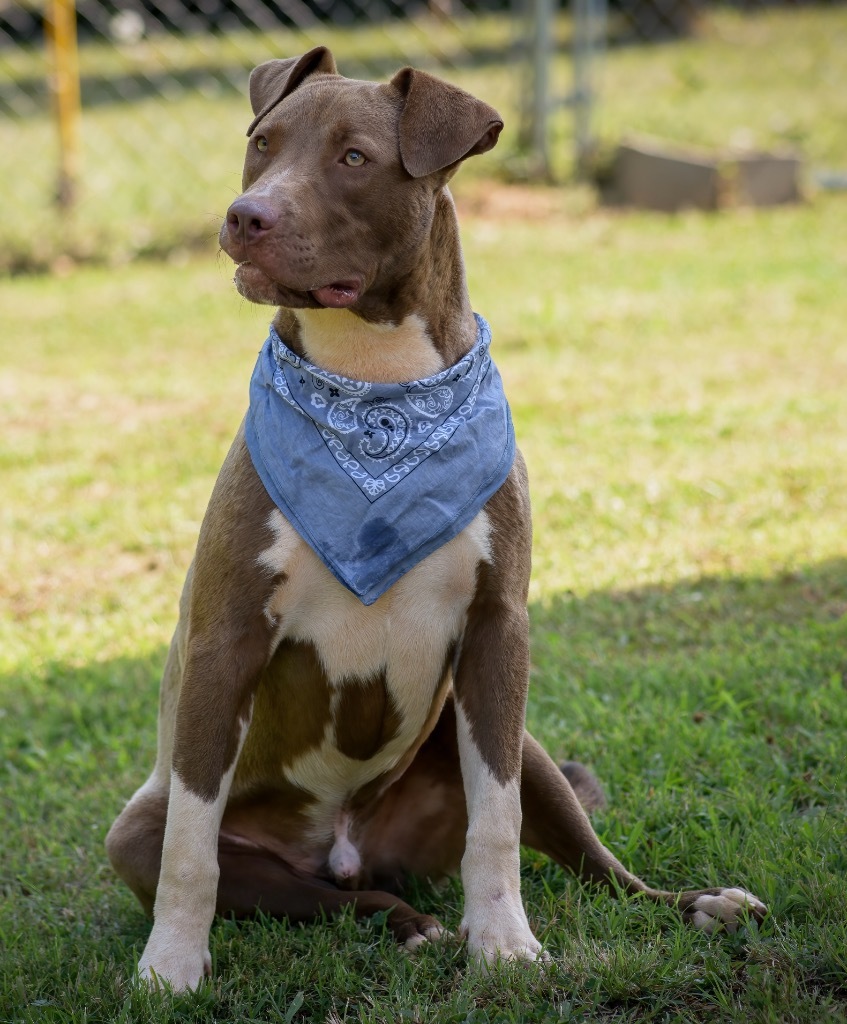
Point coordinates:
[(250, 218)]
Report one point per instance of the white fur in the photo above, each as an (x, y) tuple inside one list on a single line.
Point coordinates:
[(177, 951), (495, 921), (404, 634), (344, 860), (431, 934), (725, 910), (341, 342)]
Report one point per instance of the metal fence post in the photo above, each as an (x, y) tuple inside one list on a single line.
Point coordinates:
[(60, 26), (589, 38), (541, 15)]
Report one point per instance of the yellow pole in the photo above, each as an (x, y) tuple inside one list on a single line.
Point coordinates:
[(60, 24)]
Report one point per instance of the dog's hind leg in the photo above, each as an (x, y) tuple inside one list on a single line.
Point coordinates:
[(250, 879), (555, 823), (253, 879), (134, 843)]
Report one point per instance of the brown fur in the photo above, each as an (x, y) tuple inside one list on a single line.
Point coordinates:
[(277, 737), (229, 634), (497, 632), (410, 224)]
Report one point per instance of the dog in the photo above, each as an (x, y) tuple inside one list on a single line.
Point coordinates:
[(343, 701)]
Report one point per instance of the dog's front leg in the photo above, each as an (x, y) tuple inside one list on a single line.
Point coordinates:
[(227, 646), (490, 711), (223, 658), (491, 681), (212, 719)]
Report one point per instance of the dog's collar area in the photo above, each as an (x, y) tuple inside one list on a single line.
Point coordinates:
[(376, 476), (283, 356)]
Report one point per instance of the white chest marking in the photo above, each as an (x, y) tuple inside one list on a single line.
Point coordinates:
[(342, 342), (404, 637)]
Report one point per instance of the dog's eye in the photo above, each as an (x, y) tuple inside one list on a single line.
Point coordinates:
[(353, 158), (261, 143)]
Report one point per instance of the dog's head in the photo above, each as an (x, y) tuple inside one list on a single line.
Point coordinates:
[(341, 178)]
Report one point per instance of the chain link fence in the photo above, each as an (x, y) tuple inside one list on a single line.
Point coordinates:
[(164, 109), (163, 89), (733, 76)]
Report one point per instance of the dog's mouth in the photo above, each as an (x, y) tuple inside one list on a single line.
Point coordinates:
[(256, 285), (339, 294)]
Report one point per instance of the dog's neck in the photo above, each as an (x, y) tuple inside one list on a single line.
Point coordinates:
[(425, 324), (341, 342)]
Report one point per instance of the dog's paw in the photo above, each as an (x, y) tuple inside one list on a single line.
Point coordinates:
[(176, 970), (427, 930), (722, 909), (488, 950), (415, 930), (499, 939)]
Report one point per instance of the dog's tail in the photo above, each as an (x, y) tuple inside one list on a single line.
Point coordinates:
[(585, 784)]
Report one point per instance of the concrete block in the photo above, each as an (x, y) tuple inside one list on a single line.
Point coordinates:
[(767, 179), (663, 179)]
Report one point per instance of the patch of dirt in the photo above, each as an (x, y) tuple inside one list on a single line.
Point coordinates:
[(60, 582), (491, 199)]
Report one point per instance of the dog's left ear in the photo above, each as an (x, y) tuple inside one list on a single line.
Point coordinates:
[(272, 81), (440, 123)]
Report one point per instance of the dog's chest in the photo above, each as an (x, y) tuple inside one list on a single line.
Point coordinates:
[(352, 689)]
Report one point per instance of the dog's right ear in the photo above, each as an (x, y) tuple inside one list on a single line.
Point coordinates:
[(272, 81)]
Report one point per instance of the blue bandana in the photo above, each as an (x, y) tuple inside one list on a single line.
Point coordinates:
[(375, 477)]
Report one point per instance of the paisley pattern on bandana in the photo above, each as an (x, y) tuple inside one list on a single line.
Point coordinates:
[(439, 446), (381, 433)]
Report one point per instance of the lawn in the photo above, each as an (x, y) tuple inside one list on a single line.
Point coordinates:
[(678, 388)]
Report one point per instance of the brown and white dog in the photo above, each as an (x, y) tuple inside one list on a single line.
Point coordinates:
[(315, 751)]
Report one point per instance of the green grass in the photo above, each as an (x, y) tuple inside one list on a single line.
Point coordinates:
[(163, 125), (678, 387), (749, 81)]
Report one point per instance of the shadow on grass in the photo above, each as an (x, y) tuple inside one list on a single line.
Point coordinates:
[(693, 614), (733, 687), (98, 717), (728, 691), (753, 633), (737, 641), (763, 644)]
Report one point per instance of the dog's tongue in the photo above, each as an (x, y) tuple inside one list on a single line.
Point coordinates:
[(339, 294)]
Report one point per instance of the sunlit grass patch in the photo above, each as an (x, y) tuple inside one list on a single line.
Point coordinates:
[(677, 385)]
